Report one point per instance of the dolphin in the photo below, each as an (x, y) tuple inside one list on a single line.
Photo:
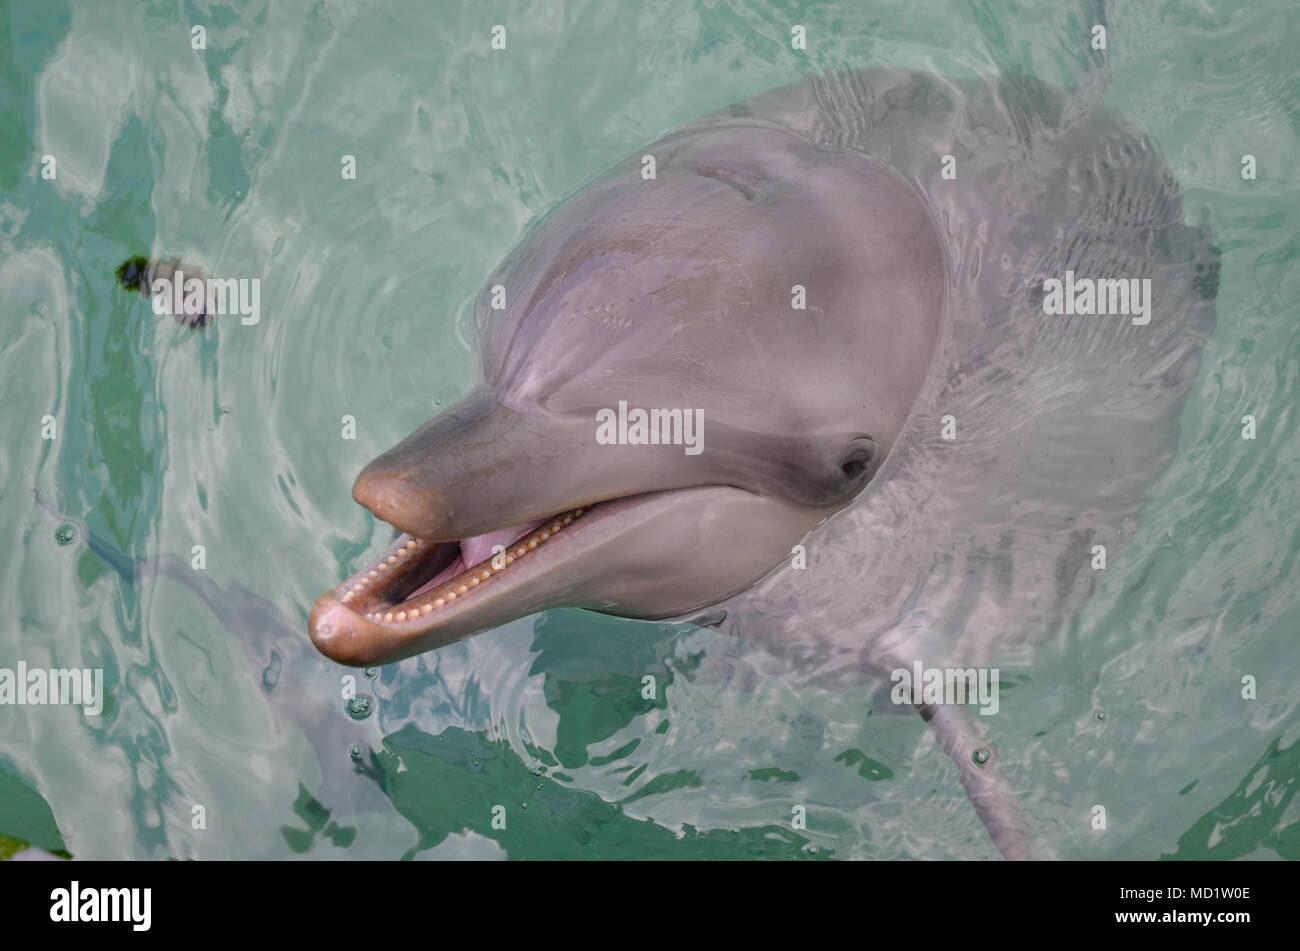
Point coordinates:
[(297, 681), (671, 295), (905, 454)]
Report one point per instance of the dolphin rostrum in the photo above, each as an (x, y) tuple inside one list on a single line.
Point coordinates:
[(844, 286)]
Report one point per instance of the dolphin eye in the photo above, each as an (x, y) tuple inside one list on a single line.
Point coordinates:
[(861, 453), (852, 468)]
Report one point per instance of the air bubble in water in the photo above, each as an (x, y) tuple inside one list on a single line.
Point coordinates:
[(981, 756), (271, 674), (359, 707), (66, 534)]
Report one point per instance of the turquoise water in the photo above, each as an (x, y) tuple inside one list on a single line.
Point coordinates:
[(230, 439)]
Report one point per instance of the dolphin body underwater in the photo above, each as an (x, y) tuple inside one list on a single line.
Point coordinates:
[(944, 450)]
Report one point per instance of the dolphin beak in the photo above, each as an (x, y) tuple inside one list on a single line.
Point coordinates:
[(468, 492)]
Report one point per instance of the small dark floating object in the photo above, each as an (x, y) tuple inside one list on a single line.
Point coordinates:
[(140, 273)]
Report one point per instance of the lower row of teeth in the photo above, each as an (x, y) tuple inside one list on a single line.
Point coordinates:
[(462, 583)]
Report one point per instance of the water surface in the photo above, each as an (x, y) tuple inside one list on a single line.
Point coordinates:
[(231, 439)]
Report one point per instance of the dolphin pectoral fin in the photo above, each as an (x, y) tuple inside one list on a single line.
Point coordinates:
[(986, 786)]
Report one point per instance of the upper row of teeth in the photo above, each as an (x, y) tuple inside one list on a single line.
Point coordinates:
[(495, 565)]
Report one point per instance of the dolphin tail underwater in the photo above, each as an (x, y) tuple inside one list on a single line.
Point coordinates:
[(825, 324)]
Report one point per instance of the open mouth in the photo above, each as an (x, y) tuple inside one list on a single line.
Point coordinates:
[(645, 555), (414, 578)]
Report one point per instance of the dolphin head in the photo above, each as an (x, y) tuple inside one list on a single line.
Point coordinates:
[(679, 377)]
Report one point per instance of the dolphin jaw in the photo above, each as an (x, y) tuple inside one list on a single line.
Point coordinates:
[(647, 556), (408, 587)]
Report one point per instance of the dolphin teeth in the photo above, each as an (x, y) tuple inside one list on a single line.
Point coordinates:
[(448, 575)]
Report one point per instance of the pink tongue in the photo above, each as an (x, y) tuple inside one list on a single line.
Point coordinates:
[(479, 548)]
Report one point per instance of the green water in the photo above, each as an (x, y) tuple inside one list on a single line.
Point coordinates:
[(230, 438)]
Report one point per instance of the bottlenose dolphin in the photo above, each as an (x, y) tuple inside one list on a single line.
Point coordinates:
[(906, 457), (301, 684)]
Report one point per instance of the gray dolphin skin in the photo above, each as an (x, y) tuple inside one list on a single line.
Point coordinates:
[(921, 420)]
